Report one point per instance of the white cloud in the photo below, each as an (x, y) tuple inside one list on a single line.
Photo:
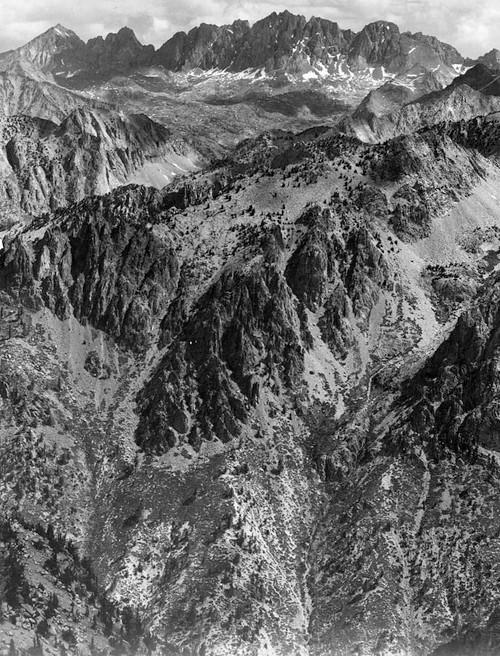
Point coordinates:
[(470, 27), (477, 29)]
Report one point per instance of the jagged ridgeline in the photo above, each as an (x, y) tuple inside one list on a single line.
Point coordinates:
[(274, 42), (249, 344)]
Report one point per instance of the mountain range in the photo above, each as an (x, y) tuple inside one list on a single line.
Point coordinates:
[(249, 288), (280, 41)]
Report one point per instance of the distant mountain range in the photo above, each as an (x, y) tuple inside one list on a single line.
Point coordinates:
[(280, 42)]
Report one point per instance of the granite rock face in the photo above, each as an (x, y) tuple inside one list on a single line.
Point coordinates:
[(458, 407), (101, 262), (117, 53), (244, 328), (205, 47)]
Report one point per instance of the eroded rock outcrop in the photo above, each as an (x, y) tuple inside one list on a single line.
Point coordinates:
[(100, 262), (243, 329)]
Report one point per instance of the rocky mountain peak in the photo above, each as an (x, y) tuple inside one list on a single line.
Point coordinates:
[(62, 31), (382, 44), (58, 33), (124, 36), (446, 52), (205, 46), (491, 59), (378, 32), (377, 44), (375, 29), (45, 52), (281, 19), (117, 53)]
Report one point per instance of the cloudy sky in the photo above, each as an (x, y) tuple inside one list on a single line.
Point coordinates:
[(471, 26)]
